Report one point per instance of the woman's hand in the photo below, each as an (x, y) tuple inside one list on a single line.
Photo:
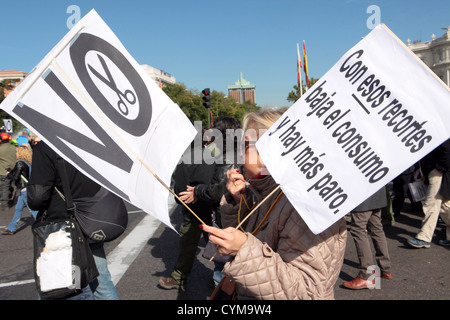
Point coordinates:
[(188, 196), (228, 240), (236, 184)]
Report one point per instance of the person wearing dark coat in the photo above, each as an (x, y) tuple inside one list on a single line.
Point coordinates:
[(401, 190), (436, 168), (42, 196), (366, 222), (227, 157)]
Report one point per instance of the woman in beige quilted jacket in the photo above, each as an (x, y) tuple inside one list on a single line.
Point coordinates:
[(275, 255)]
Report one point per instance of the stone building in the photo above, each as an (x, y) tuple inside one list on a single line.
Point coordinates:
[(435, 54), (14, 75), (159, 76)]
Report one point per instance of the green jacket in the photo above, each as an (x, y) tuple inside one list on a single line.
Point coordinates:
[(7, 157)]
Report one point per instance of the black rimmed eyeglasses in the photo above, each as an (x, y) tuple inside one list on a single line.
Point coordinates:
[(246, 144)]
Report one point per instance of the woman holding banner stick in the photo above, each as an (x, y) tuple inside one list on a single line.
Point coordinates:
[(274, 254)]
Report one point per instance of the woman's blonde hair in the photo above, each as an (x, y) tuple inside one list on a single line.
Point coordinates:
[(263, 119), (24, 153)]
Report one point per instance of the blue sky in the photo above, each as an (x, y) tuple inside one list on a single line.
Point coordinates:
[(209, 43)]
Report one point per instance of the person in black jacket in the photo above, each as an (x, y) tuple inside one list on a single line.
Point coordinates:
[(227, 159), (43, 197), (190, 171), (400, 188), (435, 167), (226, 153), (20, 175)]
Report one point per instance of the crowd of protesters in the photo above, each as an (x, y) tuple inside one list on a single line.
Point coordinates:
[(270, 254)]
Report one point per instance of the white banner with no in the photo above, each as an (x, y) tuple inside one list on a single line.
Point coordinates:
[(95, 106)]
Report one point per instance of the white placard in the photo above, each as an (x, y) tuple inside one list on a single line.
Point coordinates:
[(375, 113)]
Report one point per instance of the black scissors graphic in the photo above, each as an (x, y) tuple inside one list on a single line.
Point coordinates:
[(128, 95)]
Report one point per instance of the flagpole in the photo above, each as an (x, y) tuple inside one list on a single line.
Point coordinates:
[(299, 71), (171, 191), (35, 74)]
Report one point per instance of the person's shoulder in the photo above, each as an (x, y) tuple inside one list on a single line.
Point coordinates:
[(43, 147), (7, 145)]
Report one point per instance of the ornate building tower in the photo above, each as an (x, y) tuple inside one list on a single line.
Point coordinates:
[(242, 91)]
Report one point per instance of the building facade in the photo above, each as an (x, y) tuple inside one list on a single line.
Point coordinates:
[(159, 76), (14, 75), (242, 91), (435, 54)]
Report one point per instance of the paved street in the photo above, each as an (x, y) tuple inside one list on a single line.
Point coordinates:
[(147, 251)]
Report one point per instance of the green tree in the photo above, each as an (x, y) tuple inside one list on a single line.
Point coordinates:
[(295, 94), (191, 103)]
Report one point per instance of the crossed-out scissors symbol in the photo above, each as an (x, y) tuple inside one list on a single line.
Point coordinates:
[(128, 95)]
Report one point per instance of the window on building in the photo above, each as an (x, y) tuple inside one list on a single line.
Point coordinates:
[(441, 55)]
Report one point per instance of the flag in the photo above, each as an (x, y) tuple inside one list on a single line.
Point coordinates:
[(305, 63), (299, 71)]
